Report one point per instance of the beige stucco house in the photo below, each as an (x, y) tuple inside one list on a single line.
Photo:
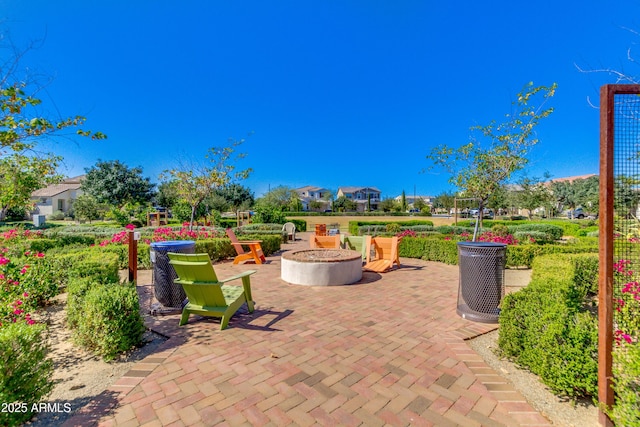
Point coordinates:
[(56, 197)]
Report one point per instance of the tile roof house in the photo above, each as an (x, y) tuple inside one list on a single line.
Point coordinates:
[(56, 197)]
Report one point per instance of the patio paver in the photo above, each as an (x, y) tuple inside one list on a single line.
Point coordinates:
[(389, 350)]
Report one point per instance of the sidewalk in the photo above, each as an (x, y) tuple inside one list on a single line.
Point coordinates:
[(389, 350)]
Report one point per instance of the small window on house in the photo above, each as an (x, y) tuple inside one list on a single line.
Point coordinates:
[(61, 205)]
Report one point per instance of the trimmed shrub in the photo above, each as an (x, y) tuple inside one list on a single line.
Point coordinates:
[(536, 236), (354, 226), (25, 371), (218, 249), (552, 231), (626, 384), (77, 289), (452, 229), (429, 249), (548, 328), (111, 323), (95, 262), (439, 249)]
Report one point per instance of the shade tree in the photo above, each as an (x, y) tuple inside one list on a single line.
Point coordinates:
[(497, 150), (114, 183), (195, 181)]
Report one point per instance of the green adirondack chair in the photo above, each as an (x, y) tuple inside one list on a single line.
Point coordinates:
[(207, 295), (356, 243)]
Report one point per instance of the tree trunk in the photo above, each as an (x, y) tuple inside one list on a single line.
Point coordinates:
[(193, 214)]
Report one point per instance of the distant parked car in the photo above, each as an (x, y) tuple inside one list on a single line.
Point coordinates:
[(580, 213), (486, 213)]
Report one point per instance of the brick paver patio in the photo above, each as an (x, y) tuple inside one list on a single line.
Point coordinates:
[(389, 350)]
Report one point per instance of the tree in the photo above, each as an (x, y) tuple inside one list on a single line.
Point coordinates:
[(444, 200), (114, 183), (390, 205), (23, 169), (20, 176), (315, 205), (281, 196), (480, 171), (533, 193), (86, 207), (344, 204), (420, 204), (237, 196), (21, 125), (194, 183)]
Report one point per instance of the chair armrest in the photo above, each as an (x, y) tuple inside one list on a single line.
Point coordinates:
[(238, 276)]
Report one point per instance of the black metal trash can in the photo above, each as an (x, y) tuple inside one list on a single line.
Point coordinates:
[(167, 292), (481, 287)]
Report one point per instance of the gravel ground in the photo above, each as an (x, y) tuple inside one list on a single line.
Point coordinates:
[(80, 376), (561, 412)]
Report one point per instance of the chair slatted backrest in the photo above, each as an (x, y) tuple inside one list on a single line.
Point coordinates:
[(325, 242), (357, 243), (386, 248), (234, 241), (321, 229), (198, 278)]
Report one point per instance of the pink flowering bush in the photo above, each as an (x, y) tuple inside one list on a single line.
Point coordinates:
[(627, 304), (626, 352), (162, 234), (26, 283)]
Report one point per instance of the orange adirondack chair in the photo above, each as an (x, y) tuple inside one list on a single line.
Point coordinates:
[(325, 242), (386, 254), (255, 249), (321, 229)]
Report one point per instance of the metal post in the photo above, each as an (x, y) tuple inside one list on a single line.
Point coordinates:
[(133, 257)]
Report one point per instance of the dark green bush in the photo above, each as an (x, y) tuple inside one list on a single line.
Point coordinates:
[(301, 225), (429, 249), (218, 249), (434, 248), (25, 371), (111, 323), (548, 328)]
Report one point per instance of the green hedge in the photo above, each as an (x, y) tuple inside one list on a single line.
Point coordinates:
[(90, 262), (429, 249), (25, 371), (111, 322), (301, 224), (550, 326), (354, 226), (437, 249)]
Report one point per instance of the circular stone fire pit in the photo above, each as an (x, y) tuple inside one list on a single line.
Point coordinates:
[(321, 267)]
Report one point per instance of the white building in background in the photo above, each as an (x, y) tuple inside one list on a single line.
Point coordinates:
[(56, 197), (310, 193)]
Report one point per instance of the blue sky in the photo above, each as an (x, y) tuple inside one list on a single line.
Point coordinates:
[(335, 93)]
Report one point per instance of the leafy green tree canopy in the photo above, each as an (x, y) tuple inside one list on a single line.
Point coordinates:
[(195, 182), (479, 170), (23, 169), (114, 183)]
